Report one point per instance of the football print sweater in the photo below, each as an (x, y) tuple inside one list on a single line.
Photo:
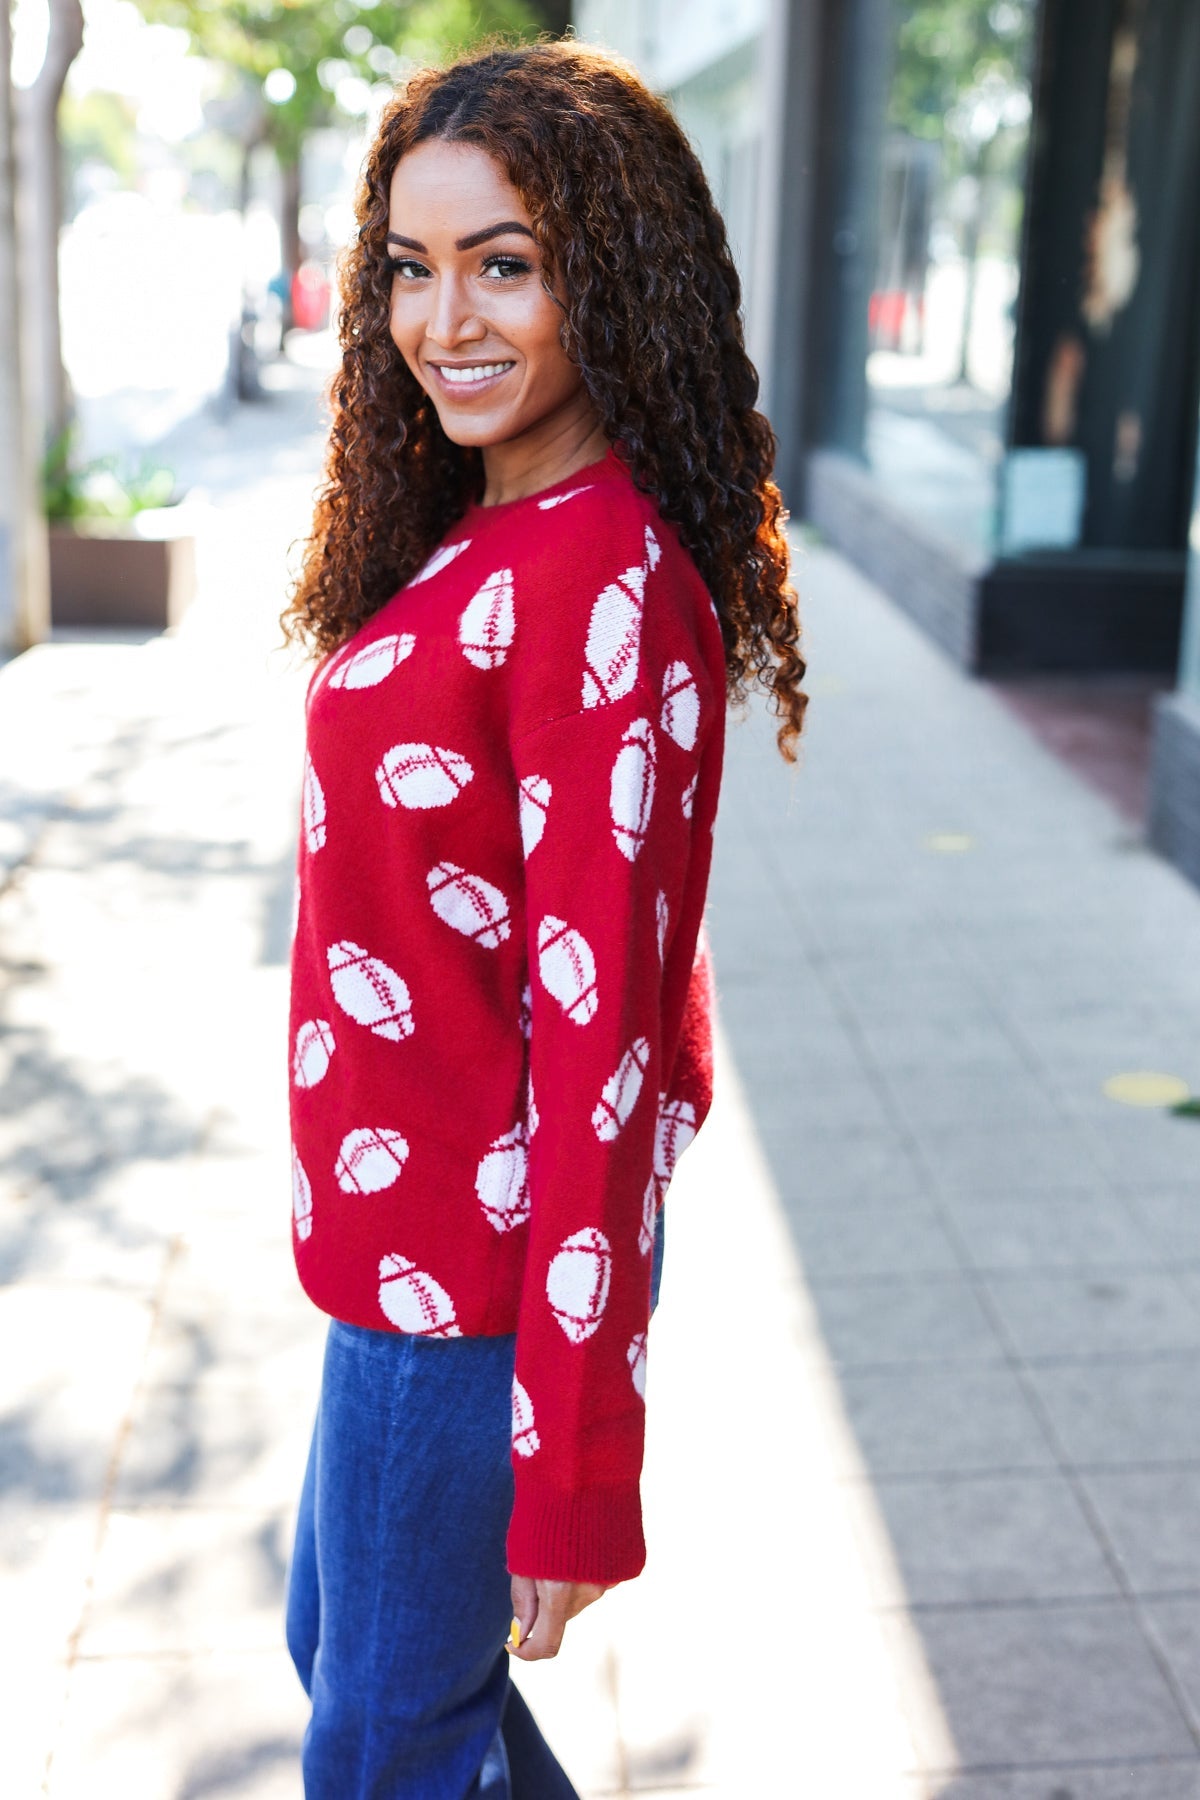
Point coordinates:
[(500, 1022)]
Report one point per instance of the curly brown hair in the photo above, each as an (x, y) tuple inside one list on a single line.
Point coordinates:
[(624, 218)]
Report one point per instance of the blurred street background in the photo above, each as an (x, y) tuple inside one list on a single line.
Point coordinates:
[(923, 1469)]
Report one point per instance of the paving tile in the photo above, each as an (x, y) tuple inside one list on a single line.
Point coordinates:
[(969, 1539), (944, 1098), (90, 1242), (1170, 1216), (1150, 1517), (932, 1420), (900, 1236), (1175, 1624), (1095, 1312), (1147, 1144), (921, 1044), (999, 1158), (216, 1441), (814, 1108), (70, 1358), (182, 1580), (1054, 1230), (841, 1169), (1124, 1411), (903, 1319), (1154, 1779), (229, 1306), (784, 995), (165, 1726), (1051, 1682), (952, 1000), (46, 1557)]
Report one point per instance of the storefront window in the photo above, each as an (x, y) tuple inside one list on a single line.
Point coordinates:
[(942, 306)]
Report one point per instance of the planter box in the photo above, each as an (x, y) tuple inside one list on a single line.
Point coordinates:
[(137, 573)]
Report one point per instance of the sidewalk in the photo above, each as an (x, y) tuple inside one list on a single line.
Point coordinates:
[(923, 1458)]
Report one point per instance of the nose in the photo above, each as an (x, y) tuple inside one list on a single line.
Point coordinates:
[(451, 321)]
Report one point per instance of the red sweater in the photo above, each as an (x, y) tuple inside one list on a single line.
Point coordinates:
[(501, 995)]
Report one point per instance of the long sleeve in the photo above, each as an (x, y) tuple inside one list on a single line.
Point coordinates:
[(500, 1012), (606, 798)]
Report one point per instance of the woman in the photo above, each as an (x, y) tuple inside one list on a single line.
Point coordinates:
[(547, 551)]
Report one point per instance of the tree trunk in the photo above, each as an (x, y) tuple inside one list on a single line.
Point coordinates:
[(24, 577), (971, 239), (40, 165), (289, 226)]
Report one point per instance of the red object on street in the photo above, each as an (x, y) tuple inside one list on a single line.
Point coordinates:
[(310, 297), (896, 319)]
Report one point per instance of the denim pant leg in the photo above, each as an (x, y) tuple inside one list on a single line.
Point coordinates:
[(398, 1591)]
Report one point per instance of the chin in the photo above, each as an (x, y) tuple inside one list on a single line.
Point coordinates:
[(478, 434)]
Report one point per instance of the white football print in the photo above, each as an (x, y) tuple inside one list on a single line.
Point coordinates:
[(375, 663), (661, 915), (620, 1091), (369, 991), (649, 1216), (525, 1439), (636, 1357), (613, 642), (469, 903), (577, 1282), (441, 559), (615, 631), (301, 1198), (370, 1160), (680, 717), (485, 630), (420, 776), (567, 968), (688, 795), (414, 1301), (502, 1180), (674, 1132), (533, 801), (531, 1111), (314, 808), (635, 580), (314, 1047), (561, 499), (631, 787)]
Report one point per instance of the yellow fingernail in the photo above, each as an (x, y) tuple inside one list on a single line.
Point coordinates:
[(514, 1634)]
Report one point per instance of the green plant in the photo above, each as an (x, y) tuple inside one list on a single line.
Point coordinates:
[(107, 487)]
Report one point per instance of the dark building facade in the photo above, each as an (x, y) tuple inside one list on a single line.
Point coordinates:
[(971, 244)]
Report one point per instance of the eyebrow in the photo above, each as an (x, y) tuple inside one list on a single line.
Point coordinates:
[(472, 240)]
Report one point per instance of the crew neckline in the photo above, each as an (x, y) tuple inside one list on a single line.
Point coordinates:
[(607, 464)]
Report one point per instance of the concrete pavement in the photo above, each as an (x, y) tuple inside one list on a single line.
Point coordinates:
[(923, 1458)]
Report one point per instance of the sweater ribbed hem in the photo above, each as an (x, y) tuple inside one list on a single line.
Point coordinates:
[(594, 1535)]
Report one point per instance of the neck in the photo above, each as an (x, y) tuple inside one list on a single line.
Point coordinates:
[(543, 456)]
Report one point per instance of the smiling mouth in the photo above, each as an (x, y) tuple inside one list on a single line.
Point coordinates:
[(471, 374)]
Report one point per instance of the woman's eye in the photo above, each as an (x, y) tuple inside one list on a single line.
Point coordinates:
[(507, 268), (405, 268)]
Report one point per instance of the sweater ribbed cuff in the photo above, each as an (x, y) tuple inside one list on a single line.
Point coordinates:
[(593, 1535)]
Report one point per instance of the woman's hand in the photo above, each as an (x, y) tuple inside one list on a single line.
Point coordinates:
[(542, 1608)]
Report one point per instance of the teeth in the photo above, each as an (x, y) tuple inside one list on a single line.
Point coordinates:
[(479, 372)]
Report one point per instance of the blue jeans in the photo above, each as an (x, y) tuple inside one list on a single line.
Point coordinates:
[(398, 1600)]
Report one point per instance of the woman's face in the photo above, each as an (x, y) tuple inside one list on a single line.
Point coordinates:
[(469, 312)]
